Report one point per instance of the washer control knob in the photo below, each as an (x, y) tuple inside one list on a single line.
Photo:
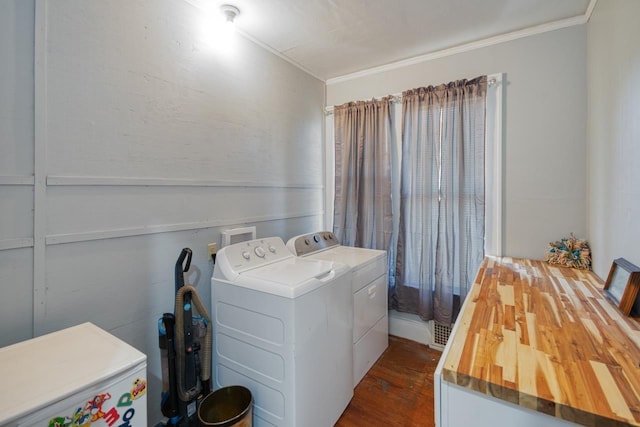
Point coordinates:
[(246, 255), (259, 251), (316, 238), (272, 249), (306, 242)]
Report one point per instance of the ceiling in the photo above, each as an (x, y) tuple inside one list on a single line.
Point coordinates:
[(332, 38)]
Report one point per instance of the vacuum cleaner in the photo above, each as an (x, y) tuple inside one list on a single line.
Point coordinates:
[(185, 339)]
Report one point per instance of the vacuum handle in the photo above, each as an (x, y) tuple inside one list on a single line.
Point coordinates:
[(169, 407), (190, 381), (179, 270)]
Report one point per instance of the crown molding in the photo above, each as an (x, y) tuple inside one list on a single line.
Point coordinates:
[(491, 41), (587, 14), (278, 54)]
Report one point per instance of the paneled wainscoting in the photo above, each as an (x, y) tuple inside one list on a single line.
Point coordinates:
[(397, 391)]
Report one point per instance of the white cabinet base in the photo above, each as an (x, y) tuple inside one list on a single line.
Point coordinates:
[(460, 407)]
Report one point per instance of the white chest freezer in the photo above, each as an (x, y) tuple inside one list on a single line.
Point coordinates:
[(80, 376)]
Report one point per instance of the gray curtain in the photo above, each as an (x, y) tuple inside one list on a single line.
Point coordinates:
[(441, 235), (362, 210)]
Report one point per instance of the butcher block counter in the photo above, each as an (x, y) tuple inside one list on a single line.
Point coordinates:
[(534, 341)]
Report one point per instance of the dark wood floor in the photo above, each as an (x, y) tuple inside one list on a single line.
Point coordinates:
[(397, 391)]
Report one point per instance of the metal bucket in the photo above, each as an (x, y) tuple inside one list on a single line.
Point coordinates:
[(227, 407)]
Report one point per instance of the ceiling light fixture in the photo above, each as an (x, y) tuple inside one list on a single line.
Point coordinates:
[(230, 12), (219, 29)]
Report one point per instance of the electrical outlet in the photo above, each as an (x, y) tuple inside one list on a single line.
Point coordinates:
[(212, 248)]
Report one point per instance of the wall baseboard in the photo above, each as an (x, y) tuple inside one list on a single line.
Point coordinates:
[(409, 326)]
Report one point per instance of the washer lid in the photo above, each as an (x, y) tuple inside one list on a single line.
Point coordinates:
[(292, 277), (353, 257)]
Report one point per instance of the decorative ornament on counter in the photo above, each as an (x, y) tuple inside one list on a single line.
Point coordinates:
[(570, 252)]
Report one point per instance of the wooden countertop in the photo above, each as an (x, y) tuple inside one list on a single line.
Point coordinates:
[(546, 338)]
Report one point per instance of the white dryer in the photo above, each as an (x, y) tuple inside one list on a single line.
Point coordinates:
[(283, 328), (369, 287)]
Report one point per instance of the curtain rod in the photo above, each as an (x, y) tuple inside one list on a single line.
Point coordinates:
[(397, 97)]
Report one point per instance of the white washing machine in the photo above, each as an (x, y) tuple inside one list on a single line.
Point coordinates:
[(283, 328), (369, 287)]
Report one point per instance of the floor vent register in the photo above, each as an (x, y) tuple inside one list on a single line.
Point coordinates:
[(440, 333)]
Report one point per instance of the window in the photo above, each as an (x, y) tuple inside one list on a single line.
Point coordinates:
[(493, 165)]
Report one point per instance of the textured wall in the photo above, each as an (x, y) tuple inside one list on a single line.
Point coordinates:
[(614, 133), (145, 139), (16, 170)]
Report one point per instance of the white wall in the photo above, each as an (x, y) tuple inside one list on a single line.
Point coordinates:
[(145, 140), (544, 131), (614, 133), (16, 170)]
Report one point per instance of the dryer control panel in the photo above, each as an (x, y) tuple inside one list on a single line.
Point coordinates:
[(253, 253), (313, 242)]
